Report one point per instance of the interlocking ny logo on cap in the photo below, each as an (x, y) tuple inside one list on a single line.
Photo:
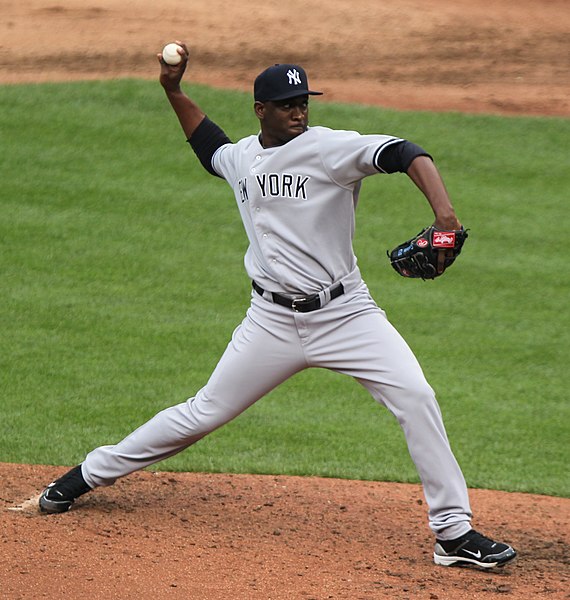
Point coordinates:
[(280, 82), (294, 77)]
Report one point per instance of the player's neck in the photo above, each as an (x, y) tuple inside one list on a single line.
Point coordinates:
[(267, 142), (272, 142)]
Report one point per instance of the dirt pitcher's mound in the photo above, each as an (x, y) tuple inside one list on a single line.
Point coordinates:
[(241, 537)]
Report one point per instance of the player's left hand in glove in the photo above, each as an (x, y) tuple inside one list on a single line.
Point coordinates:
[(428, 254)]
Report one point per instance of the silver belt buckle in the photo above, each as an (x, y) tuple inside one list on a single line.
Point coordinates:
[(294, 303)]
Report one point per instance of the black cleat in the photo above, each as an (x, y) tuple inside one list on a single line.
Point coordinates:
[(472, 550), (61, 494)]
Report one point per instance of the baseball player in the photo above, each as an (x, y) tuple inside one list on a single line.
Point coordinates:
[(296, 188)]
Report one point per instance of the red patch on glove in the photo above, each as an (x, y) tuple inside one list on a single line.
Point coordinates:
[(443, 239)]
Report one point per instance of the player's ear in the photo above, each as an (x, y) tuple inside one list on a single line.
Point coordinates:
[(259, 108)]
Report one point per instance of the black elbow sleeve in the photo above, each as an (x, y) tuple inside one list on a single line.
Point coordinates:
[(205, 140), (398, 157)]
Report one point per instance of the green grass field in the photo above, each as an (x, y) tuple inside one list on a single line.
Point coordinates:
[(122, 280)]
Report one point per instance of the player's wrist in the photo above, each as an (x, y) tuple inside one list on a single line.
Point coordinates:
[(448, 222)]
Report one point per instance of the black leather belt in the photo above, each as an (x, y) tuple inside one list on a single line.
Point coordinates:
[(303, 304)]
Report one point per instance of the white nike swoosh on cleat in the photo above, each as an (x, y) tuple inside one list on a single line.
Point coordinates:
[(475, 554)]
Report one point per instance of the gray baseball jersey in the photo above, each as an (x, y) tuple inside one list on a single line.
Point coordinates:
[(297, 203)]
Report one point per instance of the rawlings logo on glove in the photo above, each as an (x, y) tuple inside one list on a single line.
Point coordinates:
[(443, 239), (428, 254)]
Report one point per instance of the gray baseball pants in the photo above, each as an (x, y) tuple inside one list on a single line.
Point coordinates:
[(350, 335)]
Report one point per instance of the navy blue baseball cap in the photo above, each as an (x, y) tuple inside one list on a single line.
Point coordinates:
[(280, 82)]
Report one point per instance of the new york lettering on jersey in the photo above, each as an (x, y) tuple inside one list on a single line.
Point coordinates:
[(284, 185), (277, 185)]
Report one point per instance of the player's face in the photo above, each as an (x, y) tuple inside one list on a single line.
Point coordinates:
[(282, 120)]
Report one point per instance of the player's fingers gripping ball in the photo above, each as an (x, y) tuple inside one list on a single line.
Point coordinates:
[(428, 254)]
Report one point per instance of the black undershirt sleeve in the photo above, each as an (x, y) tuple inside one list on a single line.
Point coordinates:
[(398, 157), (205, 140)]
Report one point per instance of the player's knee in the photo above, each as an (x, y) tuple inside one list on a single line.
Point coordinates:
[(423, 392), (204, 416), (420, 397)]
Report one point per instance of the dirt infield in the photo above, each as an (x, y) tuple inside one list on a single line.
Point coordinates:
[(509, 57), (240, 537)]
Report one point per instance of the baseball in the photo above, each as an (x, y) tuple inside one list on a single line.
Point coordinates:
[(170, 54)]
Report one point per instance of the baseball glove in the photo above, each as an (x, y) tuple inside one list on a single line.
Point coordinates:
[(428, 254)]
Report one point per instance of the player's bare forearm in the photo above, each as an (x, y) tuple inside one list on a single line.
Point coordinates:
[(188, 112), (426, 176)]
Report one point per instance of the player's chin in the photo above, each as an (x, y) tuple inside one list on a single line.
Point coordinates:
[(296, 130)]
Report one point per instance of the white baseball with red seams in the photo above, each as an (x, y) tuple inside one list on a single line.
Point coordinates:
[(170, 54)]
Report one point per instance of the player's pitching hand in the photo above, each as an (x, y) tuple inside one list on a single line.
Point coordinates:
[(170, 75)]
